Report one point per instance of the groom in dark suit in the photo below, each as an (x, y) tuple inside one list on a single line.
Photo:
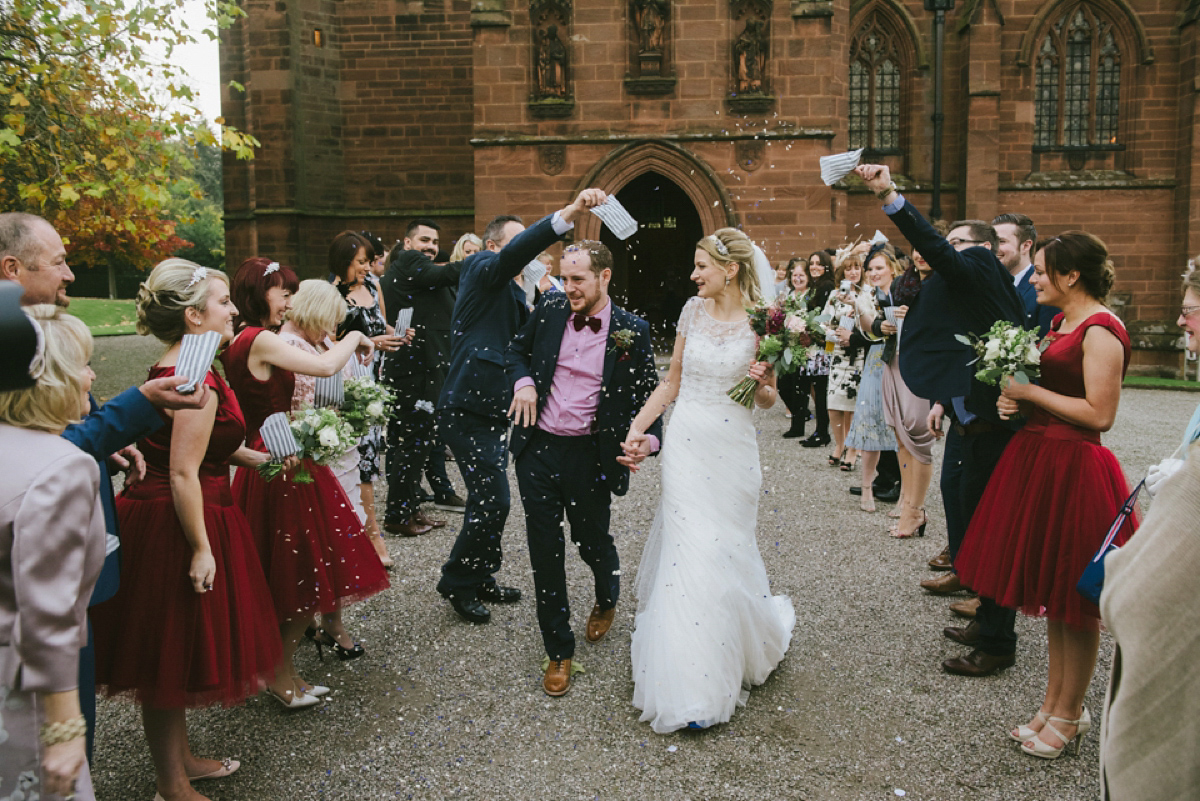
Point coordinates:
[(580, 369), (968, 292), (476, 395)]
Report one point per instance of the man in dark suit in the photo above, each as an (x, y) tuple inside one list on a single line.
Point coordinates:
[(968, 292), (416, 373), (32, 255), (581, 369), (472, 410), (1016, 237)]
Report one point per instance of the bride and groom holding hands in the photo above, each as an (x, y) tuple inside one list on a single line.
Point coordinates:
[(587, 406)]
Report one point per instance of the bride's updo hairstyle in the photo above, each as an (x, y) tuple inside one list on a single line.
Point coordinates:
[(731, 246), (173, 286), (1079, 250)]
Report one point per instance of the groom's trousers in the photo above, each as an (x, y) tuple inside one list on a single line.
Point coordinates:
[(556, 476)]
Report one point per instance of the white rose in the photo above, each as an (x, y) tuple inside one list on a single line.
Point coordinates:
[(992, 351), (328, 436), (795, 323), (375, 409), (1033, 355), (1011, 334)]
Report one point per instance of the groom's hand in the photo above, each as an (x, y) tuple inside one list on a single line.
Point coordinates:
[(523, 410), (637, 448)]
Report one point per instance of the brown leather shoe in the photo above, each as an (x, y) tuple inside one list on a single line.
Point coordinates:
[(941, 561), (978, 663), (408, 529), (599, 622), (966, 607), (557, 680), (967, 635), (421, 520), (943, 585)]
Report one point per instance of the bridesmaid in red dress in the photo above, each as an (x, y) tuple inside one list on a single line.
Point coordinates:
[(192, 624), (1056, 489), (310, 540)]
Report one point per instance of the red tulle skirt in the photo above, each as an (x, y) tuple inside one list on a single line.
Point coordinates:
[(160, 640), (1044, 514), (310, 541)]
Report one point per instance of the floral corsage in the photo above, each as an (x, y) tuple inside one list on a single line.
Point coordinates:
[(623, 340)]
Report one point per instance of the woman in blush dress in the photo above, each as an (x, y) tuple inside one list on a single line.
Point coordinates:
[(51, 551), (192, 623), (869, 433), (1056, 489), (310, 541), (707, 626)]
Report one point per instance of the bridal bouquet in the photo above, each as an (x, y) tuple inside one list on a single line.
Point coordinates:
[(366, 404), (1006, 349), (787, 331), (323, 437)]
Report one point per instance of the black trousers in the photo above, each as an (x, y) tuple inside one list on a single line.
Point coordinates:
[(410, 435), (819, 386), (887, 472), (480, 446), (797, 401), (557, 476), (967, 467), (435, 470)]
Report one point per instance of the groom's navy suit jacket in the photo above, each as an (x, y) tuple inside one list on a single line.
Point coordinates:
[(489, 310), (629, 378), (968, 292)]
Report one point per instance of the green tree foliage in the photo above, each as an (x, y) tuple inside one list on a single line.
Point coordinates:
[(86, 137), (196, 204)]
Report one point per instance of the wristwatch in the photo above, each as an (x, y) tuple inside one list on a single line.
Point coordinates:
[(891, 187)]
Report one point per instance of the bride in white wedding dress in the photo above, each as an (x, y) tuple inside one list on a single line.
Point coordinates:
[(707, 627)]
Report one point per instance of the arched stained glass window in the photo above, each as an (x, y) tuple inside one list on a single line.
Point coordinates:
[(1077, 87), (875, 87)]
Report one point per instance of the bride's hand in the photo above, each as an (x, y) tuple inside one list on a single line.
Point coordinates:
[(760, 372), (637, 448)]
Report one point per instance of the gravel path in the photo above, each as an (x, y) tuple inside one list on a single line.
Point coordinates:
[(859, 709)]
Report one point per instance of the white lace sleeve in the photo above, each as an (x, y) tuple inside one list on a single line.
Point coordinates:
[(688, 315), (306, 385)]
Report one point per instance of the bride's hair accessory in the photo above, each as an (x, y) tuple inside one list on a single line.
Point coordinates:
[(273, 267), (719, 245), (198, 275)]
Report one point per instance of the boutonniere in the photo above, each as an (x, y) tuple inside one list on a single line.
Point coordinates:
[(623, 340)]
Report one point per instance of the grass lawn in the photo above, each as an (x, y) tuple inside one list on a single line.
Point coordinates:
[(105, 317), (1150, 382)]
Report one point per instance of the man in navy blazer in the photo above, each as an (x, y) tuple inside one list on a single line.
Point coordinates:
[(1016, 237), (581, 369), (32, 255), (472, 410), (968, 292)]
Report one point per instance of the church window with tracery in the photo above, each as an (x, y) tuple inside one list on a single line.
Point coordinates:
[(1077, 87), (875, 88)]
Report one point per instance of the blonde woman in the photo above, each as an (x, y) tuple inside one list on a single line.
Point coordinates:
[(467, 245), (311, 542), (51, 552), (192, 623), (701, 561)]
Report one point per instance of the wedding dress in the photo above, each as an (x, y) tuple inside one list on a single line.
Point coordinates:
[(707, 626)]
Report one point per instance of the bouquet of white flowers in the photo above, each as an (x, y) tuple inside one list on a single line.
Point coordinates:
[(366, 404), (323, 436), (1006, 349), (786, 330)]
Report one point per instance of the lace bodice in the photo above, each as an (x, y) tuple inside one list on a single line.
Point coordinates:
[(716, 354)]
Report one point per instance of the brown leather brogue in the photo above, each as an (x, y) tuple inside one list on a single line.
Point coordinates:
[(941, 561), (557, 680), (599, 622), (967, 635), (943, 585), (411, 528), (977, 663), (421, 520), (966, 607)]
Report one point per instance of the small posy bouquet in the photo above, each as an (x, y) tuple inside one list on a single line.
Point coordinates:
[(366, 404), (787, 331), (1006, 349), (323, 437), (622, 341)]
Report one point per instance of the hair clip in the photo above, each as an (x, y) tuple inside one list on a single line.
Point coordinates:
[(273, 267), (719, 245), (198, 275), (37, 365)]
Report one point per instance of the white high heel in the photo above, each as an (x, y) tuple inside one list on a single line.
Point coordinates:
[(1038, 748), (298, 701), (1023, 734)]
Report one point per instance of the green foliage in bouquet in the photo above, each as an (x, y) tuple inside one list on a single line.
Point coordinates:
[(787, 331), (366, 404), (323, 437), (1006, 350)]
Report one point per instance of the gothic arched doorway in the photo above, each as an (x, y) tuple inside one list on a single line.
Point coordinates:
[(651, 269)]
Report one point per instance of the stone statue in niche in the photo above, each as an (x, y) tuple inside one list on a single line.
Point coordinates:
[(651, 19), (551, 64), (750, 57)]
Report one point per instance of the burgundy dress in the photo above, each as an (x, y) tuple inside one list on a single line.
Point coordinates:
[(159, 639), (310, 540), (1049, 504)]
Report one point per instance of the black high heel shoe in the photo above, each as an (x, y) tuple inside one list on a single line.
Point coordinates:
[(323, 639)]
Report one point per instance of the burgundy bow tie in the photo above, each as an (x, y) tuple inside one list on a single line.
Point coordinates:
[(579, 320)]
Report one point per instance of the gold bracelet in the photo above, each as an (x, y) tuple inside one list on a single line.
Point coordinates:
[(64, 731)]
